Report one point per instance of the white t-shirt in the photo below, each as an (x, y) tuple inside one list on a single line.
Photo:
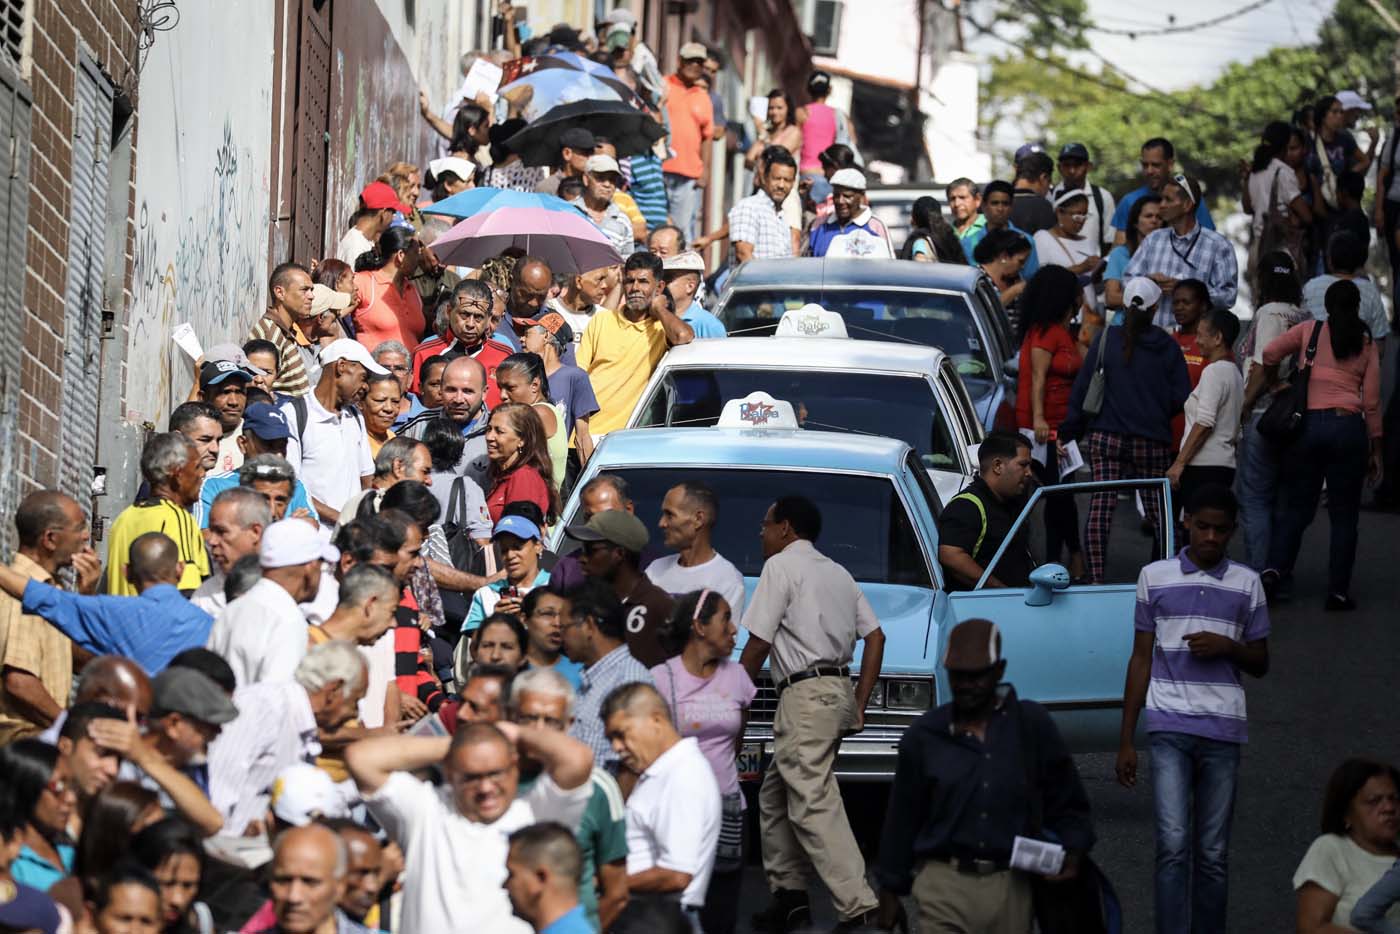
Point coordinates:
[(262, 634), (1261, 185), (718, 574), (1270, 321), (352, 245), (1063, 251), (1215, 403), (673, 818), (333, 453), (379, 661), (456, 867), (1336, 864)]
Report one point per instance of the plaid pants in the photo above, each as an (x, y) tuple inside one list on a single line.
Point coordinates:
[(1119, 457)]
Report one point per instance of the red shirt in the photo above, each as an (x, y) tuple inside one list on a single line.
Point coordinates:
[(385, 313), (1064, 365), (522, 483), (1195, 365), (490, 353)]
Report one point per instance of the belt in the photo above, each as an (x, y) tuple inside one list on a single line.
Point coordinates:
[(817, 671), (974, 867)]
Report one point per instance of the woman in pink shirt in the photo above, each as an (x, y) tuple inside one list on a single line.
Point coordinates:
[(389, 307), (709, 696), (818, 121), (1340, 440)]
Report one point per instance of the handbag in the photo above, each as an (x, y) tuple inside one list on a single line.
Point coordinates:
[(1086, 904), (1094, 394), (1282, 421)]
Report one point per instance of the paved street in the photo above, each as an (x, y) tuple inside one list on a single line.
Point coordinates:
[(1327, 697)]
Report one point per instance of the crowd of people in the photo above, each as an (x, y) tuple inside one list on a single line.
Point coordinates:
[(332, 679)]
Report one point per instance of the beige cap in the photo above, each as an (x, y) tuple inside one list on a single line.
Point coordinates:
[(598, 164)]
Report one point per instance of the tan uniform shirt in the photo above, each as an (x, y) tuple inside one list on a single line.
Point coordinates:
[(30, 644), (809, 608)]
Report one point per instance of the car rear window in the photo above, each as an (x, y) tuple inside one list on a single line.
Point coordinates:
[(865, 526)]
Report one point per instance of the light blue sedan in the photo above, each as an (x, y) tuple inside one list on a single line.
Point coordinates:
[(1067, 644)]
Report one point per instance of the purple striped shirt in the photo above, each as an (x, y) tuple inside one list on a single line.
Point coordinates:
[(1200, 696)]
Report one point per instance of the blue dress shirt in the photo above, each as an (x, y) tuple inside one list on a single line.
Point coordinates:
[(150, 629)]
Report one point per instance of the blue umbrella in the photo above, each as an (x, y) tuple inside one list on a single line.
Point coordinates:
[(555, 86), (476, 200)]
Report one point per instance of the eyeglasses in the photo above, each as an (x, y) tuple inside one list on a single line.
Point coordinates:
[(476, 778), (482, 306), (1181, 182), (396, 369), (1079, 217)]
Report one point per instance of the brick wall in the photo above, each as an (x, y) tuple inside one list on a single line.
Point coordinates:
[(107, 28)]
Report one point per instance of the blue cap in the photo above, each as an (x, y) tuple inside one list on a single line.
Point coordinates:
[(518, 526), (821, 190), (265, 421)]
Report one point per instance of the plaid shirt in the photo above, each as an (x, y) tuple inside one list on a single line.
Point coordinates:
[(596, 682), (757, 220), (1202, 254)]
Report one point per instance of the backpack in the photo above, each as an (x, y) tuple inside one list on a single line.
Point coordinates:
[(466, 554), (304, 415)]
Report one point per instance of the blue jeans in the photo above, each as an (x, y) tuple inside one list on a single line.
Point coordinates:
[(1333, 448), (1256, 485), (1193, 790), (684, 197)]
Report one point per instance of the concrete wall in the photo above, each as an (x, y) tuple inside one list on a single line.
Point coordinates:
[(202, 179)]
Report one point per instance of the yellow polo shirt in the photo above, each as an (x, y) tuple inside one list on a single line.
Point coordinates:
[(619, 356), (156, 516), (27, 643)]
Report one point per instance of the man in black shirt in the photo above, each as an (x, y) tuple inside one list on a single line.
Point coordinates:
[(972, 776), (1030, 208), (977, 520)]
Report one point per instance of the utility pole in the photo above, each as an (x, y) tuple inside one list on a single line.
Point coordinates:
[(1394, 25)]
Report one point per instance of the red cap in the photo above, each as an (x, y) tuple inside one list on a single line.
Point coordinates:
[(378, 195)]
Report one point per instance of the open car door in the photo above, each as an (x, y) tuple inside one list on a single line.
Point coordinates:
[(1067, 643)]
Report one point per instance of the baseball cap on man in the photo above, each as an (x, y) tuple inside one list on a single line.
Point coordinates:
[(692, 51), (1074, 151), (233, 354), (215, 372), (192, 694), (620, 16), (615, 526), (685, 261), (347, 349), (378, 195), (601, 163), (973, 645), (324, 299), (553, 322), (579, 138), (619, 37), (265, 421), (302, 792), (291, 542), (848, 178), (1350, 100)]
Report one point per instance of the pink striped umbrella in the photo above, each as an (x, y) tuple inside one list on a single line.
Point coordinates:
[(568, 242)]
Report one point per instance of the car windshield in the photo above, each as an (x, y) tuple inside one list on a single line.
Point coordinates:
[(937, 319), (895, 406), (866, 528)]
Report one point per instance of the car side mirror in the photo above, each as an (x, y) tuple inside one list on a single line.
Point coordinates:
[(1044, 579)]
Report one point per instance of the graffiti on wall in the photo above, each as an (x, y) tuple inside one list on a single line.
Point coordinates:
[(206, 266)]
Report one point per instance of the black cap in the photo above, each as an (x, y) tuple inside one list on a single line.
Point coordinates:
[(579, 138), (1074, 151)]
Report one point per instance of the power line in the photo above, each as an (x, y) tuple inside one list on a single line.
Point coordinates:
[(1185, 27)]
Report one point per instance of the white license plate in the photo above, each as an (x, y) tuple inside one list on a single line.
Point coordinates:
[(753, 759)]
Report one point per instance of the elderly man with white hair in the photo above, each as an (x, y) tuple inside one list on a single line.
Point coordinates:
[(236, 522), (544, 698), (277, 726)]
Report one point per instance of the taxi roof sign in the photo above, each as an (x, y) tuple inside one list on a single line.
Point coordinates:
[(758, 410), (811, 320)]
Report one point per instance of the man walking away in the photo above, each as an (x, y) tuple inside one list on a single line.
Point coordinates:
[(1201, 619), (542, 867), (964, 792), (1030, 209), (808, 612)]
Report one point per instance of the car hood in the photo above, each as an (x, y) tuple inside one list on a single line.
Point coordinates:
[(905, 614)]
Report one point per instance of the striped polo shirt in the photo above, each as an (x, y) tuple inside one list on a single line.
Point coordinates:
[(1200, 696)]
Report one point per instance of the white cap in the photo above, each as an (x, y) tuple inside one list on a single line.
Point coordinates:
[(620, 15), (302, 792), (601, 163), (454, 164), (1140, 292), (1068, 195), (294, 541), (1350, 100), (352, 350), (685, 261), (324, 299), (849, 178)]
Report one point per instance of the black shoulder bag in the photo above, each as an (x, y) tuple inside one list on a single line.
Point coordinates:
[(1282, 421), (467, 556)]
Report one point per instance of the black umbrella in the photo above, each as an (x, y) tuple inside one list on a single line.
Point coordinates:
[(631, 130)]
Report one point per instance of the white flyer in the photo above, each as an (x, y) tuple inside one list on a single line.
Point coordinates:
[(758, 108), (184, 337), (1071, 460), (484, 77), (1037, 856)]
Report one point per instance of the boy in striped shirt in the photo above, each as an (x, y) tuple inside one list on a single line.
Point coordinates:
[(1201, 619)]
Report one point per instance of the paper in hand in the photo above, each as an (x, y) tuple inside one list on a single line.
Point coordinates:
[(184, 337), (1037, 856), (484, 77), (1071, 460), (758, 108)]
